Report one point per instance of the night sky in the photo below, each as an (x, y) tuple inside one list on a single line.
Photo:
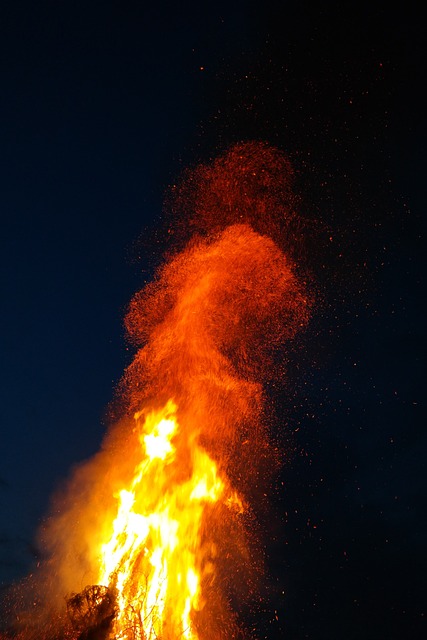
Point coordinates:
[(102, 105)]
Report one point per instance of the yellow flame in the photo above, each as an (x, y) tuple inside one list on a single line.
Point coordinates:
[(152, 559)]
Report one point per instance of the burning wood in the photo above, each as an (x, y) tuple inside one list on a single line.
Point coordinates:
[(91, 612)]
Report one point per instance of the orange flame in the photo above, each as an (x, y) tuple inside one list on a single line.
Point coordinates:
[(153, 558), (159, 518)]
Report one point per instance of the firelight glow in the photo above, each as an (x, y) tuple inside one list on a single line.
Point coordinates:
[(154, 559), (153, 537)]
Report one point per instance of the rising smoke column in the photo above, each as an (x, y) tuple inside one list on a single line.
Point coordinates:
[(205, 332)]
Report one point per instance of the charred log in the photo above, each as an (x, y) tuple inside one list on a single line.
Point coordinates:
[(91, 612)]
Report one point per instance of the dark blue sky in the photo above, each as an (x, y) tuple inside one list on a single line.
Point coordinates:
[(101, 107)]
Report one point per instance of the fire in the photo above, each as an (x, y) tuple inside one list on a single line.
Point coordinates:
[(154, 558), (152, 539)]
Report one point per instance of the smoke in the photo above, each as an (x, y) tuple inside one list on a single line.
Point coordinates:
[(206, 332)]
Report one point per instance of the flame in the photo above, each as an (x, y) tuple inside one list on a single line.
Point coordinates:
[(151, 537), (154, 557)]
